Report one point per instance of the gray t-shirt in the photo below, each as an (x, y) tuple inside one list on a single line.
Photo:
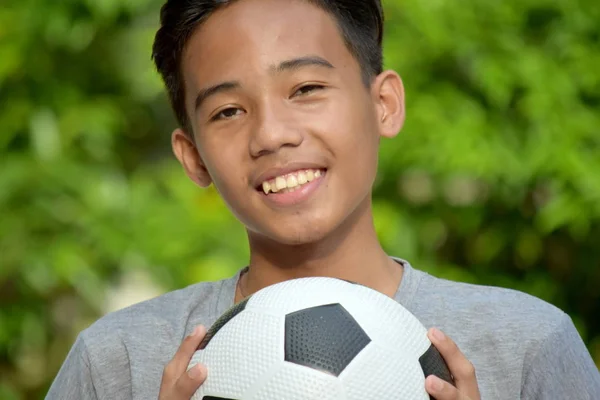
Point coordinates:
[(521, 347)]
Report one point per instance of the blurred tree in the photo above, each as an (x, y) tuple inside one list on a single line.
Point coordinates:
[(494, 180)]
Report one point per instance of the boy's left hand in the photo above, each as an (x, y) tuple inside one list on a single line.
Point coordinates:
[(461, 369)]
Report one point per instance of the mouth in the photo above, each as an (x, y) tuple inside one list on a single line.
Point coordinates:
[(290, 182)]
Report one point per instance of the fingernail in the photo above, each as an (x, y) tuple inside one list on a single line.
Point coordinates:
[(435, 383), (439, 335), (195, 372), (196, 331)]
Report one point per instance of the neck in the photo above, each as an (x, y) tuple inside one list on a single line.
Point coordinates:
[(351, 252)]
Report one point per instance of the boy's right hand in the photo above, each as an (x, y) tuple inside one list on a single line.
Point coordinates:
[(178, 383)]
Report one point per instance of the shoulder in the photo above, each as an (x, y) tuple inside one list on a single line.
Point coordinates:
[(519, 343), (168, 309), (498, 309), (133, 344), (159, 323)]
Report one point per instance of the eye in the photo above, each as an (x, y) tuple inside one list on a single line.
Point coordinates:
[(226, 114), (307, 89)]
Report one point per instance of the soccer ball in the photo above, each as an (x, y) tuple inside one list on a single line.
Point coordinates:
[(317, 338)]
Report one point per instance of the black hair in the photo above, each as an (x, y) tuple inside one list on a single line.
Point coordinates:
[(360, 23)]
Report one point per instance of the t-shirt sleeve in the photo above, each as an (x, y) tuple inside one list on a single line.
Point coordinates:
[(74, 379), (562, 368)]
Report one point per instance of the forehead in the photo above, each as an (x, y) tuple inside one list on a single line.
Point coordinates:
[(252, 35)]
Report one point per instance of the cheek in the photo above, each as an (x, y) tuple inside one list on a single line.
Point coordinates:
[(225, 167), (360, 167), (355, 142)]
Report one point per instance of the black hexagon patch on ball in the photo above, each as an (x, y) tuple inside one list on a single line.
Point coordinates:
[(324, 338)]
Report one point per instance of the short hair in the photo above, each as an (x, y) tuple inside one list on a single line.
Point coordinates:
[(360, 23)]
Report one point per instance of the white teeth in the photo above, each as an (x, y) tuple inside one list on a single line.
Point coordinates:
[(302, 178), (291, 182), (280, 183), (266, 187)]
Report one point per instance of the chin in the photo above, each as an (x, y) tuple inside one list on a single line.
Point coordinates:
[(304, 234), (305, 228), (296, 233)]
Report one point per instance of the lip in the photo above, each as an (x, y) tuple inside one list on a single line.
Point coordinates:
[(296, 197), (284, 170)]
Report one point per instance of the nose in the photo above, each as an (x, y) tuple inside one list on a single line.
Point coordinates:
[(275, 128)]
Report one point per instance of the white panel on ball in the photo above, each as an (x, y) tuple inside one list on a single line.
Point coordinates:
[(317, 291), (241, 352), (376, 372), (296, 382)]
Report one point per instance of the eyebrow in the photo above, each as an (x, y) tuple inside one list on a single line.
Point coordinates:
[(300, 62), (288, 65), (212, 90)]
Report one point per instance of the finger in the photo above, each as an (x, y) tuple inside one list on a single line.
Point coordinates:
[(460, 367), (190, 381), (184, 354), (442, 390)]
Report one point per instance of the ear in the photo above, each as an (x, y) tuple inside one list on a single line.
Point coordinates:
[(388, 93), (187, 153)]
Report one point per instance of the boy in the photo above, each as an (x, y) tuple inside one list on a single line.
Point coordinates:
[(282, 105)]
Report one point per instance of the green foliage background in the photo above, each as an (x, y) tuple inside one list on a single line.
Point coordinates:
[(494, 180)]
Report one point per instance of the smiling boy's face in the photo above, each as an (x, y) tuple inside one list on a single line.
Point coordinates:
[(277, 104)]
